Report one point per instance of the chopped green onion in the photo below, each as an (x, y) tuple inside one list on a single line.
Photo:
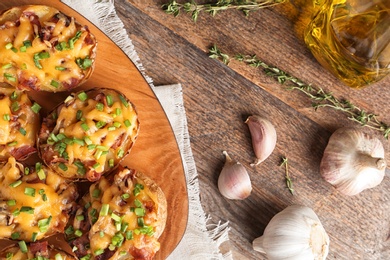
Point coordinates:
[(23, 48), (69, 99), (60, 68), (117, 124), (91, 146), (34, 236), (85, 127), (86, 257), (100, 106), (140, 212), (14, 143), (41, 174), (104, 210), (87, 140), (129, 235), (100, 124), (26, 171), (109, 100), (6, 117), (84, 63), (35, 108), (125, 196), (117, 239), (29, 191), (24, 66), (15, 235), (15, 184), (9, 45), (120, 153), (82, 96), (7, 66), (14, 96), (99, 252), (22, 131), (11, 203), (96, 193), (115, 217), (58, 257), (124, 101), (102, 148), (27, 43), (38, 166), (80, 217), (137, 189), (111, 128), (101, 233), (61, 136), (16, 212), (141, 222), (54, 83), (14, 49), (111, 163), (78, 233), (127, 123), (63, 167), (96, 165), (9, 77), (26, 209), (137, 203), (23, 246), (78, 141), (39, 56), (118, 111), (69, 230), (79, 114), (43, 224)]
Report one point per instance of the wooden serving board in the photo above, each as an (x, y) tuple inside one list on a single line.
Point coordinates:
[(155, 152)]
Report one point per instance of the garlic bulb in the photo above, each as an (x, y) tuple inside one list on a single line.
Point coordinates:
[(353, 161), (234, 182), (263, 135), (294, 233)]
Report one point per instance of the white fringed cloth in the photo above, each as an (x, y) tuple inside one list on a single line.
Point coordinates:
[(201, 239)]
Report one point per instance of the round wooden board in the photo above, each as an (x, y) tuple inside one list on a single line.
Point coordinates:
[(155, 152)]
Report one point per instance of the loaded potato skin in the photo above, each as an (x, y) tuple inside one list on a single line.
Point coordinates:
[(35, 202), (121, 217), (19, 124), (88, 134), (44, 49)]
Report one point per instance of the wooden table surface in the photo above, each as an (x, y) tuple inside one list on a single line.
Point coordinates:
[(218, 98)]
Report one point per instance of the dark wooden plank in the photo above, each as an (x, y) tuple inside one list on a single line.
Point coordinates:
[(219, 98)]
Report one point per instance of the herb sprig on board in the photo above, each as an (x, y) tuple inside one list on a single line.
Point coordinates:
[(195, 9), (287, 177), (319, 96)]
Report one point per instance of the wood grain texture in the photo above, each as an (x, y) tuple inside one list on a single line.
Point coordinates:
[(218, 99), (155, 153)]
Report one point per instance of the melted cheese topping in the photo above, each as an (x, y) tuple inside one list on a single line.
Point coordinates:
[(18, 127), (19, 64), (120, 229), (14, 253), (102, 146), (33, 203)]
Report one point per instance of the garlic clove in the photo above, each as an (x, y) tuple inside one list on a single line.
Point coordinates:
[(263, 135), (294, 233), (234, 182), (353, 161)]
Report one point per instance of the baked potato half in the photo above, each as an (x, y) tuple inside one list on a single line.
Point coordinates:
[(37, 250), (35, 202), (19, 124), (121, 217), (43, 49), (88, 134)]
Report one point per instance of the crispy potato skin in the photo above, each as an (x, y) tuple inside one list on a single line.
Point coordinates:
[(106, 202), (44, 49), (89, 134)]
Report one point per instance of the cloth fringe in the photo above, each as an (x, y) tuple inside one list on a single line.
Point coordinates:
[(201, 239)]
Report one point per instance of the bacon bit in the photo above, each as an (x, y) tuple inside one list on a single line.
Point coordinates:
[(27, 82), (119, 140), (40, 249), (93, 176), (21, 153), (89, 40), (141, 254), (34, 20), (81, 244), (72, 83), (149, 206)]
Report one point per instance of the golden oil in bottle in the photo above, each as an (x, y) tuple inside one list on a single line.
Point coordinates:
[(351, 38)]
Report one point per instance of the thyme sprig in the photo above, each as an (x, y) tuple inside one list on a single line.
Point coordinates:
[(195, 9), (319, 96), (287, 177)]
